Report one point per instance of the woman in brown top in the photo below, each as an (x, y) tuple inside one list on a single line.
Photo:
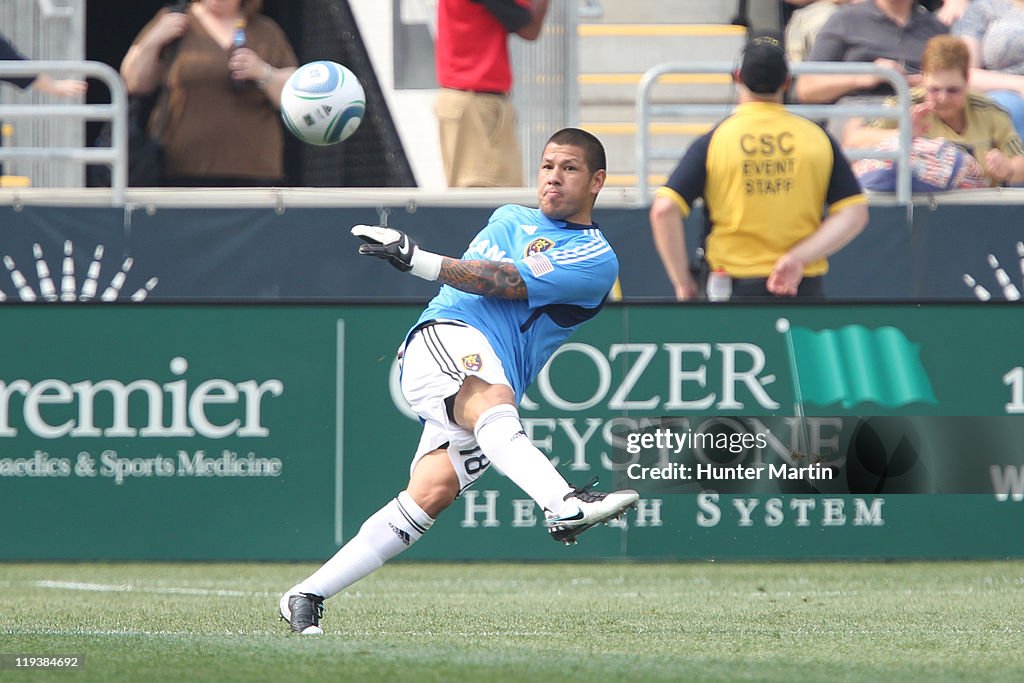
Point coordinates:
[(217, 113)]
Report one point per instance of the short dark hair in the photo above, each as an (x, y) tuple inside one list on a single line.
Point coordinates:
[(592, 148)]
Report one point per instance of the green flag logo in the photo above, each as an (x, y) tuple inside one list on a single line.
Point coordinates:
[(853, 365)]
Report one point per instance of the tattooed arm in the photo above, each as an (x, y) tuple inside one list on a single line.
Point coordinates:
[(486, 278)]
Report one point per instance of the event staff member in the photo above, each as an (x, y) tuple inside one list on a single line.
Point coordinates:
[(766, 176), (476, 119)]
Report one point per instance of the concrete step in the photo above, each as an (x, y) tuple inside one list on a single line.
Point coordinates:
[(634, 48), (620, 88), (615, 113), (763, 13), (614, 54), (619, 139), (628, 180), (682, 132)]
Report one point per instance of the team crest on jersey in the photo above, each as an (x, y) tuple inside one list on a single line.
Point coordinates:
[(472, 362), (538, 245)]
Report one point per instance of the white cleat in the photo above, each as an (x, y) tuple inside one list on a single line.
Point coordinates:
[(592, 508)]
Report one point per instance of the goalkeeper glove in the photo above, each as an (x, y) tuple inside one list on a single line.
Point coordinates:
[(400, 251)]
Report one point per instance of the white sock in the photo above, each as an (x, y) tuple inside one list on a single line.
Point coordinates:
[(389, 531), (503, 440)]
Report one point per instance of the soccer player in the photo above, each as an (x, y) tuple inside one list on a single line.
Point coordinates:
[(527, 280)]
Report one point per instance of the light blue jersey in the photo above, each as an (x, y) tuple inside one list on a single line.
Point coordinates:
[(568, 270)]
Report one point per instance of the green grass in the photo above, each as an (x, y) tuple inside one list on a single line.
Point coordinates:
[(534, 622)]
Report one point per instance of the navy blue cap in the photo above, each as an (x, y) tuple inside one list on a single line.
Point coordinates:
[(764, 68)]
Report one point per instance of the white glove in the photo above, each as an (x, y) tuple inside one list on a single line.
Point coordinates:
[(400, 251)]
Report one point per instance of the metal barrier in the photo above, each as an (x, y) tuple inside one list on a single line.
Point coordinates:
[(117, 112), (590, 9), (546, 90), (52, 30), (646, 109)]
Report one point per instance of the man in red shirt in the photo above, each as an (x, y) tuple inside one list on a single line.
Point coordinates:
[(479, 144)]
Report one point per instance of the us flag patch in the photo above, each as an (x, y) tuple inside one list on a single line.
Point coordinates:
[(539, 264)]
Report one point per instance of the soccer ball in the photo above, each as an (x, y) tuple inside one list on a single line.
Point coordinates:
[(322, 103)]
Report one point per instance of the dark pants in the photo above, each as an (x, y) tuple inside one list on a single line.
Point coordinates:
[(755, 289)]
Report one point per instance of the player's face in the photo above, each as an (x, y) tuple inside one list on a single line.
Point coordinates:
[(566, 188)]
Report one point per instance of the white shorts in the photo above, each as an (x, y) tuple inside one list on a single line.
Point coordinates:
[(435, 362)]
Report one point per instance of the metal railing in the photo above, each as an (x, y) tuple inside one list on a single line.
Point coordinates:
[(590, 9), (546, 91), (48, 10), (116, 111), (646, 109)]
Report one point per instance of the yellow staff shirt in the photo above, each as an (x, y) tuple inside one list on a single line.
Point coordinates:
[(766, 177)]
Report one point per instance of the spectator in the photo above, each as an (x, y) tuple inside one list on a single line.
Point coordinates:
[(947, 11), (789, 8), (805, 24), (951, 11), (943, 108), (992, 30), (890, 33), (764, 175), (477, 122), (64, 87), (217, 112)]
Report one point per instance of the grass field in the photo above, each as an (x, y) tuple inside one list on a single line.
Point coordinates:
[(529, 622)]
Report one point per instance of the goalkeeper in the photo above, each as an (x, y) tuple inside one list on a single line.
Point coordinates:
[(527, 280)]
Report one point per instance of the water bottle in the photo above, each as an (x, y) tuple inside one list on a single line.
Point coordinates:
[(237, 41), (719, 286), (238, 38)]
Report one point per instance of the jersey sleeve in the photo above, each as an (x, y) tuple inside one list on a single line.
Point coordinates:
[(511, 14), (580, 272), (688, 179), (488, 244), (9, 52), (1005, 137), (843, 187)]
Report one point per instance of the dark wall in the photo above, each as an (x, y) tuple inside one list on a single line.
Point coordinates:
[(301, 254)]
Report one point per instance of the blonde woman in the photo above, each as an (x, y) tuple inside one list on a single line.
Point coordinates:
[(944, 107)]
